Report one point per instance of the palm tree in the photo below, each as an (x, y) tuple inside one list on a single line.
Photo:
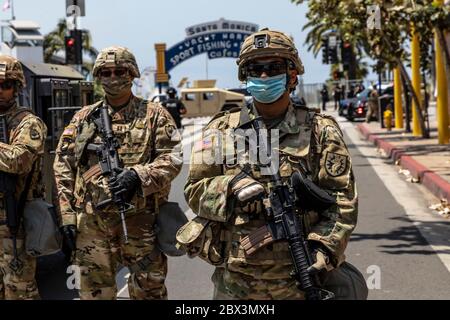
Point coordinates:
[(54, 43)]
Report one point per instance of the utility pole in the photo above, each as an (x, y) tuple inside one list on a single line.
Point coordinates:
[(398, 99), (442, 91), (13, 16), (74, 39), (416, 81)]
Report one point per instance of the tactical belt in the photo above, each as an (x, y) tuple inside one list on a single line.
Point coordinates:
[(143, 264)]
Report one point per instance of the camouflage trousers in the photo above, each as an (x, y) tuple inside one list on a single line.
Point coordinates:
[(101, 250), (230, 285), (19, 284)]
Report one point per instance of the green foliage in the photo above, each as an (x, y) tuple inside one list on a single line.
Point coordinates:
[(349, 18)]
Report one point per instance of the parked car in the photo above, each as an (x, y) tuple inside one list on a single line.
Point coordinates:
[(356, 107)]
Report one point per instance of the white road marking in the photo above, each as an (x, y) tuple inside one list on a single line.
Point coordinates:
[(414, 206)]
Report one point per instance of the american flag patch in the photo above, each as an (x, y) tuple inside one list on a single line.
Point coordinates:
[(204, 144), (69, 132)]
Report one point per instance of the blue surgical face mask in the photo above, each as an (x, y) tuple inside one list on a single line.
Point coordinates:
[(267, 90)]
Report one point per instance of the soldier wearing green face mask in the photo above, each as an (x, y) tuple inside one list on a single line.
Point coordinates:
[(145, 139), (227, 196)]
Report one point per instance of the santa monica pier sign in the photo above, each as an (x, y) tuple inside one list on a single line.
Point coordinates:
[(218, 39)]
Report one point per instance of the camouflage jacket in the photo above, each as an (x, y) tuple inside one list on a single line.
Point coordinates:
[(24, 152), (310, 142), (147, 136)]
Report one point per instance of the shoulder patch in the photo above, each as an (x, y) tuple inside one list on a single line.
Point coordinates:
[(34, 133), (336, 164), (70, 131)]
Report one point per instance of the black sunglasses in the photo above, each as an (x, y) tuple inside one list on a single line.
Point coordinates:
[(7, 85), (117, 73), (271, 69)]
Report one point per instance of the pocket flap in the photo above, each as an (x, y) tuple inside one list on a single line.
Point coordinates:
[(191, 230)]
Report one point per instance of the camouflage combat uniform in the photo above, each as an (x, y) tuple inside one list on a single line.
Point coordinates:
[(21, 157), (308, 142), (312, 143), (145, 134)]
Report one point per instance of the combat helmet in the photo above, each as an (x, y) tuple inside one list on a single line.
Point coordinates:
[(171, 91), (11, 69), (268, 43), (114, 57)]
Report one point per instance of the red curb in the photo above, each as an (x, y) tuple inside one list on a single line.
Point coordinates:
[(438, 186), (416, 169), (432, 181), (364, 131), (386, 146)]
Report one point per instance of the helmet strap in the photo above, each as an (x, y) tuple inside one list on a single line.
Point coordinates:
[(288, 76)]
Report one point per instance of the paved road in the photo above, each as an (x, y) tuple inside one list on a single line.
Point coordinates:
[(397, 233), (399, 245)]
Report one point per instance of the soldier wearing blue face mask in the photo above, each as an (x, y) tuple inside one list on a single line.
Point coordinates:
[(228, 197)]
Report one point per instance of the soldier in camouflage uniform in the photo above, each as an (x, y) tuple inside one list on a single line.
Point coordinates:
[(226, 199), (145, 132), (22, 157)]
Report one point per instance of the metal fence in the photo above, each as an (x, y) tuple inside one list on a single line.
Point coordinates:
[(311, 91)]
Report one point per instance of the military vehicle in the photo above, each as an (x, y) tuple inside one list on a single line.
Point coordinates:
[(204, 99)]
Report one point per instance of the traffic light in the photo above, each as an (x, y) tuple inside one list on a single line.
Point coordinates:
[(74, 47), (325, 51), (333, 55), (347, 54)]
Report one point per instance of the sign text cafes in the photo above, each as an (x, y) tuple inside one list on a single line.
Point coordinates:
[(216, 45), (221, 25)]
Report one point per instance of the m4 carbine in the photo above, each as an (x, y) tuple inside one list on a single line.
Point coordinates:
[(109, 161), (285, 224), (8, 184)]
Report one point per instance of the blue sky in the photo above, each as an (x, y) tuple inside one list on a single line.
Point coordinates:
[(139, 24)]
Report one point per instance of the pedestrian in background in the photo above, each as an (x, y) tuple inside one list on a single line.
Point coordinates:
[(325, 97), (337, 96)]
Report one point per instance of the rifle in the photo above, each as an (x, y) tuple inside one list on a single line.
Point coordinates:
[(284, 224), (8, 184), (109, 161)]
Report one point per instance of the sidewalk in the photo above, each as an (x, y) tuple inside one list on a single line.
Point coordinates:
[(426, 160)]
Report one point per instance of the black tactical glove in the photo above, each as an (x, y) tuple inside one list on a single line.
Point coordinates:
[(126, 183), (69, 233)]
